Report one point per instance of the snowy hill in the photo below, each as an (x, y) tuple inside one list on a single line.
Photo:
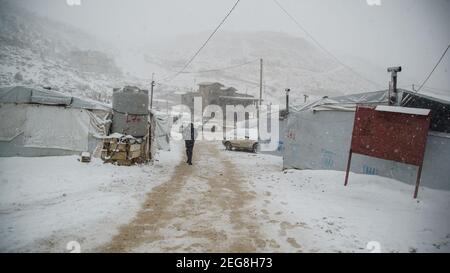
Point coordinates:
[(38, 51), (288, 62)]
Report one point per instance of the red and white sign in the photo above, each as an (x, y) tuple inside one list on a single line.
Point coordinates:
[(391, 133)]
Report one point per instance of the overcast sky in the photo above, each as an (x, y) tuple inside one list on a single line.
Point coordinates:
[(411, 33)]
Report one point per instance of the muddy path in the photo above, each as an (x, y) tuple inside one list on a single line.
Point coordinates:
[(201, 208)]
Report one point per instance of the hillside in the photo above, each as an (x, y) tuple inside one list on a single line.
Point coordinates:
[(37, 51), (288, 62)]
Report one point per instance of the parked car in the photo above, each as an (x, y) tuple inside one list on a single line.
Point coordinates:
[(245, 143), (241, 144)]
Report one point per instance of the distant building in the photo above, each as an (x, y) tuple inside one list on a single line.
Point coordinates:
[(216, 93)]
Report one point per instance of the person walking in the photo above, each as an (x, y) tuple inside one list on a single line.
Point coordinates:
[(189, 136)]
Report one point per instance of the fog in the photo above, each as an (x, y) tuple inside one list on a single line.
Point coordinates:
[(411, 33)]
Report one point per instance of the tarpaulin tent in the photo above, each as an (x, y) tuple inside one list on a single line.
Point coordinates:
[(318, 136), (163, 126), (41, 122)]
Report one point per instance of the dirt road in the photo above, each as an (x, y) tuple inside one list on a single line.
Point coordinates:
[(201, 208)]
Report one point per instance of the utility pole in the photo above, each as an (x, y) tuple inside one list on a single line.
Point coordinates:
[(287, 100), (151, 91), (260, 92), (393, 97), (260, 81)]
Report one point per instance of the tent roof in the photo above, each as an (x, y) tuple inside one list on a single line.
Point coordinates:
[(37, 95), (349, 102), (440, 99), (440, 108), (346, 102)]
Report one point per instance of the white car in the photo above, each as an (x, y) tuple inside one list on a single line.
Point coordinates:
[(248, 142)]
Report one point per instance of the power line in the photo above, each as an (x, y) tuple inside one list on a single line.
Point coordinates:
[(205, 43), (408, 97), (320, 45), (219, 69), (434, 68), (436, 89), (412, 85)]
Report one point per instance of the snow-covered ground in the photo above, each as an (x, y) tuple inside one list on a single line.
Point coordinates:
[(47, 202), (313, 209)]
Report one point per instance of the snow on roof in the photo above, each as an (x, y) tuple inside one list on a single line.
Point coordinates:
[(344, 103), (227, 88), (37, 95), (349, 102), (238, 98), (403, 110), (210, 83), (430, 96)]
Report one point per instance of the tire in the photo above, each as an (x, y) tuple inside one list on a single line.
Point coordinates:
[(255, 148), (228, 146)]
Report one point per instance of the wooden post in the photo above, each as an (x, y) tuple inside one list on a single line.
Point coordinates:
[(260, 80), (287, 100), (419, 173), (348, 167)]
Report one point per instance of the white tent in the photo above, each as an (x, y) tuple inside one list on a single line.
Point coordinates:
[(40, 122), (163, 126), (318, 136)]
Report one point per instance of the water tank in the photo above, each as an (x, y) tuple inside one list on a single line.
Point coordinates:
[(130, 111)]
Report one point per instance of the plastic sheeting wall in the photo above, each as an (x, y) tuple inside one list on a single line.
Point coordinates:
[(56, 127), (39, 130), (12, 121), (321, 140), (163, 125)]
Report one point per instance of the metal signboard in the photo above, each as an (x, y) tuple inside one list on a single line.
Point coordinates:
[(391, 133)]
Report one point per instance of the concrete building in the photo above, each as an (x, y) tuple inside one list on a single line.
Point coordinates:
[(216, 93)]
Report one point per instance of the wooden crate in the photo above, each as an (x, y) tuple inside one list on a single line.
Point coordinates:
[(134, 154), (119, 156), (121, 147), (135, 147), (123, 154)]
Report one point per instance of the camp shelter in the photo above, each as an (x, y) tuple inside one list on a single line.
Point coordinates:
[(41, 122), (163, 125)]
